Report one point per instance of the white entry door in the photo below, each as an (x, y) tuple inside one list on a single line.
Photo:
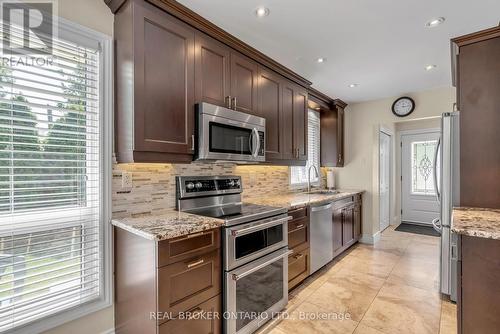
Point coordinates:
[(385, 180), (418, 199)]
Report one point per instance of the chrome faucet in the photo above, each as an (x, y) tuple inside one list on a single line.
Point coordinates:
[(309, 177)]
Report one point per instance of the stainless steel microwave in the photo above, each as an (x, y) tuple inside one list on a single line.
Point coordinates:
[(229, 135)]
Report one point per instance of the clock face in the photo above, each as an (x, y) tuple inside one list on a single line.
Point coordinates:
[(403, 106)]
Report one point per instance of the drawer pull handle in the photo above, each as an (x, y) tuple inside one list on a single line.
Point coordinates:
[(195, 313), (298, 256), (196, 263), (194, 235), (299, 226)]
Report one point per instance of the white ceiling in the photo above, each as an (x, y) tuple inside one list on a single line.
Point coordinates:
[(382, 45)]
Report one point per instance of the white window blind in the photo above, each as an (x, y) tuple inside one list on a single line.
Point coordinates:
[(298, 174), (50, 184)]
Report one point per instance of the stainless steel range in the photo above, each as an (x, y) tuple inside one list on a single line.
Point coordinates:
[(255, 249)]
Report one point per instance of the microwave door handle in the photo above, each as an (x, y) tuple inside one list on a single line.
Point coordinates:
[(255, 142), (436, 157)]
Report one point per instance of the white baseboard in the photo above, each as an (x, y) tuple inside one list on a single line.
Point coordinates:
[(370, 239), (109, 331)]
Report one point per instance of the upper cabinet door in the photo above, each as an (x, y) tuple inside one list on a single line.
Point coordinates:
[(269, 107), (212, 68), (163, 82), (300, 123), (288, 151), (244, 76)]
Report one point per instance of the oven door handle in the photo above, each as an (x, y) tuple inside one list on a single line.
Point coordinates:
[(283, 254), (251, 229)]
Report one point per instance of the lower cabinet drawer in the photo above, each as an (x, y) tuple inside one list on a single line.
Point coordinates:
[(298, 267), (184, 285), (203, 319), (298, 234)]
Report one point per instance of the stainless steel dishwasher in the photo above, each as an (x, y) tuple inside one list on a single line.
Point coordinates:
[(321, 248)]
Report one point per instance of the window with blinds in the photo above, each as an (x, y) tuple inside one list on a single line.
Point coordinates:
[(50, 184), (298, 174)]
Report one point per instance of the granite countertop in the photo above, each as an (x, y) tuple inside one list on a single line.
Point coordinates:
[(167, 225), (298, 200), (476, 222)]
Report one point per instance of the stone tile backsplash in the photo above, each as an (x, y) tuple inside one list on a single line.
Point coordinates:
[(154, 184)]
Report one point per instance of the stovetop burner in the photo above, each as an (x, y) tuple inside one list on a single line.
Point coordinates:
[(234, 214)]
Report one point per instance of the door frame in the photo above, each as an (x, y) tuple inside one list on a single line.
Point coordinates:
[(400, 138), (390, 133)]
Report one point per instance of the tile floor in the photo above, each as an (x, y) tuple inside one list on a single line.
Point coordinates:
[(390, 287)]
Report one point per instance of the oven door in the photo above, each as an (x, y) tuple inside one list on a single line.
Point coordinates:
[(221, 138), (247, 242), (256, 291)]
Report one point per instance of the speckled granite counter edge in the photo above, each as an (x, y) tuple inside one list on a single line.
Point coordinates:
[(167, 226), (476, 222)]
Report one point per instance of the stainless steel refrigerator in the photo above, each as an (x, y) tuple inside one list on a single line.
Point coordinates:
[(447, 184)]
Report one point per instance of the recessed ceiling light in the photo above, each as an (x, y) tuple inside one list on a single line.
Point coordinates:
[(262, 12), (430, 67), (321, 60), (435, 22), (353, 85)]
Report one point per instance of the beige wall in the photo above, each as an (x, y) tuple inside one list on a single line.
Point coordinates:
[(95, 15), (363, 121)]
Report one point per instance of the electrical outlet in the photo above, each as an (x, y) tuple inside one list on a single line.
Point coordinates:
[(127, 180)]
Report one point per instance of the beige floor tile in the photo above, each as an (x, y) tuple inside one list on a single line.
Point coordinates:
[(416, 272), (347, 292), (448, 318), (362, 329), (404, 309), (306, 319), (376, 267), (422, 251)]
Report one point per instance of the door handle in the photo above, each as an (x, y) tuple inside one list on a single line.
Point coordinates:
[(192, 142), (237, 277), (438, 195), (255, 142), (227, 101), (251, 229), (233, 106), (437, 227)]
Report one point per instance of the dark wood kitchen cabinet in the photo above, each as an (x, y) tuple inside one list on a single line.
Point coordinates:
[(154, 85), (346, 223), (478, 291), (244, 78), (156, 280), (212, 71), (270, 107), (298, 242), (294, 124), (332, 135), (477, 79)]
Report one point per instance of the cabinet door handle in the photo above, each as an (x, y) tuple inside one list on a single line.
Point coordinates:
[(227, 101), (234, 103), (192, 142), (195, 263)]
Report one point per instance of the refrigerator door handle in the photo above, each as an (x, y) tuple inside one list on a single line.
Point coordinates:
[(436, 224), (436, 186)]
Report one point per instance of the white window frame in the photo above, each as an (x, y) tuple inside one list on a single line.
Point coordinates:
[(79, 33), (302, 185)]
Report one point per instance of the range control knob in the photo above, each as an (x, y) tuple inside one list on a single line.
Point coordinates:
[(198, 185), (238, 183), (231, 183), (190, 185)]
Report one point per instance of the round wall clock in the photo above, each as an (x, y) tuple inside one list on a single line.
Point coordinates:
[(403, 106)]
